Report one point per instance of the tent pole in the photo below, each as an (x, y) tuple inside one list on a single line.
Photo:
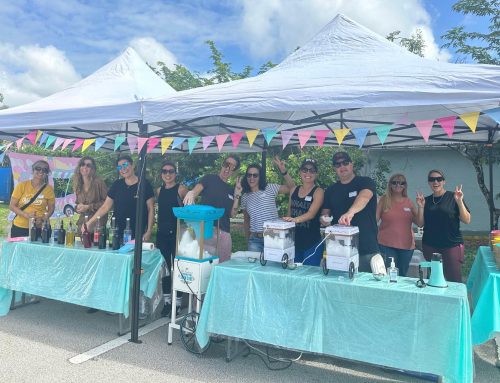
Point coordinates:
[(136, 271), (490, 174), (263, 162)]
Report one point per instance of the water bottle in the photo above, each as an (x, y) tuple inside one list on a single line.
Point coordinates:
[(127, 233), (111, 232)]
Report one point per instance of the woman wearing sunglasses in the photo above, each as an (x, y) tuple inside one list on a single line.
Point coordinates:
[(304, 209), (32, 199), (441, 213), (259, 202), (396, 214), (90, 190), (169, 195)]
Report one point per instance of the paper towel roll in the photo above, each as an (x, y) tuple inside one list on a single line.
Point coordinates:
[(148, 246)]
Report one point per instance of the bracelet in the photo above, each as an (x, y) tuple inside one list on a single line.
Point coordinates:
[(284, 173)]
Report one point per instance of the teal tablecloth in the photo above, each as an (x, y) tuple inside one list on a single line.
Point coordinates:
[(484, 286), (94, 278), (396, 325)]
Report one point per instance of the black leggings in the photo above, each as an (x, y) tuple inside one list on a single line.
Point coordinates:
[(16, 231), (167, 248)]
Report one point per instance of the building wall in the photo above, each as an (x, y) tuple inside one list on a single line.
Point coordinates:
[(416, 163)]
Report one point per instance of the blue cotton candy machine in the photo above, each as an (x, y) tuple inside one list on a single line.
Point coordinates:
[(195, 215)]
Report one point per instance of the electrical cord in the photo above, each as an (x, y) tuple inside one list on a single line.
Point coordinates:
[(187, 284), (271, 359), (314, 251)]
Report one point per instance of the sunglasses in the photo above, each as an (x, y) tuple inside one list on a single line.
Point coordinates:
[(41, 169), (229, 165), (434, 179), (308, 170), (400, 183), (167, 171), (341, 163), (86, 165), (252, 175), (122, 166)]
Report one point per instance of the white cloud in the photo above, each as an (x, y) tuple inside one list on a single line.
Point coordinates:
[(273, 28), (153, 51), (30, 72)]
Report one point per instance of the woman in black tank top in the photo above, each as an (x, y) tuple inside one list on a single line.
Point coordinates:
[(304, 209), (169, 195)]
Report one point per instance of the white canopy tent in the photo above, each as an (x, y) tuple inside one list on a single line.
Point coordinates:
[(346, 76)]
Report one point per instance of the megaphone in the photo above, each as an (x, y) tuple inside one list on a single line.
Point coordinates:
[(437, 276)]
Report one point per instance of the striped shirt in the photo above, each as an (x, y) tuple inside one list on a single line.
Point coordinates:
[(261, 206)]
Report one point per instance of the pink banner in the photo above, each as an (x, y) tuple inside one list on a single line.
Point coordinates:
[(321, 136), (448, 124)]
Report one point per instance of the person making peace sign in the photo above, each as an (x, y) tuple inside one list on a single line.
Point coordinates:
[(440, 213)]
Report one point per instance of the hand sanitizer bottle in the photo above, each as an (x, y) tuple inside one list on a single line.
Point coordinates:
[(393, 271)]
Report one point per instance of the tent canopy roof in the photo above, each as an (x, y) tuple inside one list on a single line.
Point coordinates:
[(346, 76)]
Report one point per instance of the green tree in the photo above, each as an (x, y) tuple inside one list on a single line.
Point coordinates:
[(415, 43), (483, 48)]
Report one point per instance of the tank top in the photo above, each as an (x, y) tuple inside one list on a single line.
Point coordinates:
[(167, 199), (396, 226), (307, 233)]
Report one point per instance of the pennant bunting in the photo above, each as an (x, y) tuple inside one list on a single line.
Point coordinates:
[(43, 138), (59, 142), (19, 142), (251, 136), (360, 135), (50, 141), (382, 132), (448, 124), (269, 134), (99, 142), (178, 141), (471, 120), (221, 139), (236, 138), (304, 136), (206, 141), (424, 127), (320, 136), (141, 141), (192, 141), (38, 135), (340, 134), (66, 142), (152, 143), (132, 143), (118, 141), (31, 136), (286, 136), (165, 143), (494, 114), (78, 143), (86, 143)]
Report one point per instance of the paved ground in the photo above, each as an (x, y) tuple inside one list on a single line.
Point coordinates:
[(37, 341)]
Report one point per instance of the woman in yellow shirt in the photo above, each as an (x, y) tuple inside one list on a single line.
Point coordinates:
[(25, 206)]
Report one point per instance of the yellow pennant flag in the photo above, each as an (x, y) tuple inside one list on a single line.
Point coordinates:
[(38, 134), (470, 119), (87, 143), (252, 135), (165, 143), (340, 134)]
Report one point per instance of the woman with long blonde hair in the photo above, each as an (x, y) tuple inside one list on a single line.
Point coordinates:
[(397, 213)]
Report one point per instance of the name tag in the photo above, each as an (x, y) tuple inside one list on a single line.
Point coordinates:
[(406, 209), (39, 196), (353, 194), (263, 195), (308, 198), (230, 196)]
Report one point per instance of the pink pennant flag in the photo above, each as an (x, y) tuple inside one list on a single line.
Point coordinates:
[(236, 138), (32, 137), (78, 143), (59, 142), (286, 136), (304, 136), (221, 139), (152, 143), (141, 141), (66, 142), (424, 127), (320, 136), (206, 141), (448, 124), (132, 143), (19, 142)]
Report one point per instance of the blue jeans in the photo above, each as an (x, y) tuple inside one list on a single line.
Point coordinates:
[(402, 258), (255, 243)]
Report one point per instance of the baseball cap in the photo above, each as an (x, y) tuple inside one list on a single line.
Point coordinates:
[(341, 156), (309, 161)]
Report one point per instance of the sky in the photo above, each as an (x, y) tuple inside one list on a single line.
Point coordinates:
[(48, 45)]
